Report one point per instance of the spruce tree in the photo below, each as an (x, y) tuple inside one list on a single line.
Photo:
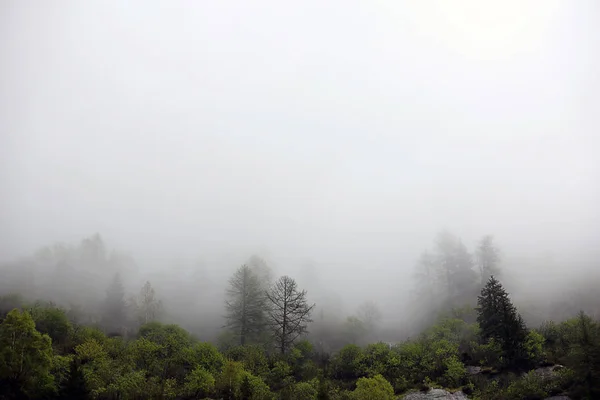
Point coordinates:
[(245, 304), (499, 320)]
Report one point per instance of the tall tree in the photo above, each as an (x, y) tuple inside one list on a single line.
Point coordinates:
[(25, 358), (454, 263), (289, 312), (427, 275), (585, 354), (147, 305), (499, 320), (488, 257), (245, 304), (115, 316), (262, 270)]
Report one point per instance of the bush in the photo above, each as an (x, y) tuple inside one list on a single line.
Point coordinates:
[(199, 383), (305, 391), (348, 364), (376, 388), (532, 386), (534, 346)]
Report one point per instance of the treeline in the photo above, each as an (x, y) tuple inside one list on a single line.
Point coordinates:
[(487, 352)]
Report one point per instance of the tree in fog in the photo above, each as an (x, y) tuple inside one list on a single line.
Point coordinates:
[(355, 329), (289, 312), (261, 269), (369, 313), (499, 320), (427, 275), (488, 257), (114, 312), (455, 263), (147, 306), (245, 304)]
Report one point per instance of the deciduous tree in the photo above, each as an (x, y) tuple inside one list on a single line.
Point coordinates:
[(289, 312)]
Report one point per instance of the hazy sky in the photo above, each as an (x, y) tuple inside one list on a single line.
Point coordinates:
[(346, 132)]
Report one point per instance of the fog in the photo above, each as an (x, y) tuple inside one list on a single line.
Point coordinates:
[(334, 140)]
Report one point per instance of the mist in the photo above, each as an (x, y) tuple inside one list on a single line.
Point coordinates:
[(334, 141)]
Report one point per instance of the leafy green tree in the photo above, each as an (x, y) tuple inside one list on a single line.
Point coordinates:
[(488, 258), (348, 363), (585, 355), (229, 381), (171, 353), (499, 320), (254, 388), (305, 391), (199, 384), (245, 304), (376, 388), (52, 321), (253, 357), (97, 368), (25, 357), (289, 312), (204, 355)]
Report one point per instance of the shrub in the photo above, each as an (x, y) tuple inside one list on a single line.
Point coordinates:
[(376, 388)]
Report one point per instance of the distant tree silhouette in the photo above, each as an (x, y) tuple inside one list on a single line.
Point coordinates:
[(289, 312), (245, 304)]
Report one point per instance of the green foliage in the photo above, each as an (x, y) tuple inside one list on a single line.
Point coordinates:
[(455, 372), (531, 386), (199, 383), (348, 363), (534, 347), (254, 388), (252, 357), (305, 391), (204, 355), (230, 379), (498, 319), (25, 357), (376, 388), (52, 321)]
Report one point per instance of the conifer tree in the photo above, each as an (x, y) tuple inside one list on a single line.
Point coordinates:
[(499, 320), (245, 304)]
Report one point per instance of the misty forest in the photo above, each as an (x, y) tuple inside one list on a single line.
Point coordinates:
[(271, 200), (81, 321)]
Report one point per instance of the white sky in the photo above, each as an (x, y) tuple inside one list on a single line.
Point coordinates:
[(346, 132)]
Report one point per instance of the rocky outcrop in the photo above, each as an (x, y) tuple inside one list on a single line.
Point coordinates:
[(435, 394), (548, 372)]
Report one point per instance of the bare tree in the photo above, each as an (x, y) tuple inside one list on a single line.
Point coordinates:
[(289, 312), (245, 304)]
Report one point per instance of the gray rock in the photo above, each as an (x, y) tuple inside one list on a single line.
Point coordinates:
[(548, 372), (472, 370), (435, 394)]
